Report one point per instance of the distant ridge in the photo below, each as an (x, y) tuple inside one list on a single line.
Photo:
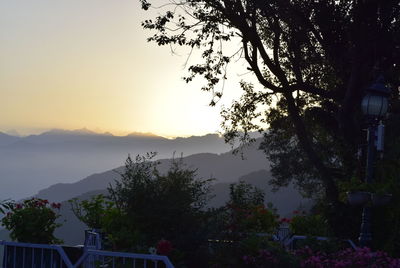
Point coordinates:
[(13, 132), (143, 134), (31, 163), (225, 167), (82, 131), (6, 139)]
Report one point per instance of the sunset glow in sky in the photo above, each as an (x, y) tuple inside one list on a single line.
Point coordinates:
[(86, 63)]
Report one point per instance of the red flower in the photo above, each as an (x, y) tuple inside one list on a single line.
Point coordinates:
[(56, 205), (18, 206), (296, 212), (164, 247), (286, 220)]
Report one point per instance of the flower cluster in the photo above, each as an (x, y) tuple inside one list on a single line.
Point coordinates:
[(55, 205), (164, 247), (285, 220), (35, 202), (361, 257), (32, 221)]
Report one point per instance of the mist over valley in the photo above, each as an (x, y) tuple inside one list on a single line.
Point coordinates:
[(29, 164)]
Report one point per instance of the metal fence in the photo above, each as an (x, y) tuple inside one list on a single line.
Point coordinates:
[(109, 259), (24, 255), (292, 242), (27, 255), (282, 234)]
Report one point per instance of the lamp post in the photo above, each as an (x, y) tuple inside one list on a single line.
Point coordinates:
[(374, 106)]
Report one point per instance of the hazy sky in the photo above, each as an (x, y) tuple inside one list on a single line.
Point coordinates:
[(86, 63)]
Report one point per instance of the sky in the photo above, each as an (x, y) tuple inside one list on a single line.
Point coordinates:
[(75, 64)]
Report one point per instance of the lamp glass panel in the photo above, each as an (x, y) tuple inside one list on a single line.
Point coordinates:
[(374, 105)]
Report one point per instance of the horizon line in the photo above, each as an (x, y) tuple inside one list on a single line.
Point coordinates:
[(17, 133)]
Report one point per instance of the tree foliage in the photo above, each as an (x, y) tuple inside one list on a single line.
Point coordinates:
[(157, 206), (312, 60), (91, 212)]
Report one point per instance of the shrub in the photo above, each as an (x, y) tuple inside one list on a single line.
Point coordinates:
[(348, 258), (246, 226), (32, 221), (309, 225), (146, 208), (246, 212), (91, 212)]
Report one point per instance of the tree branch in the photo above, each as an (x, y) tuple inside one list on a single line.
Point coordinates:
[(254, 66)]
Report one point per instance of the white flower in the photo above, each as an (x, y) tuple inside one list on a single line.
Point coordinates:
[(152, 250)]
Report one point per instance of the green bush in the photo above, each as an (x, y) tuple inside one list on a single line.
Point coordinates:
[(246, 212), (91, 212), (33, 221), (309, 225), (145, 207)]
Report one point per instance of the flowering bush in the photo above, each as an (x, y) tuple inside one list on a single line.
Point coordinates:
[(348, 258), (164, 247), (246, 212), (271, 257), (263, 258), (252, 219), (32, 221)]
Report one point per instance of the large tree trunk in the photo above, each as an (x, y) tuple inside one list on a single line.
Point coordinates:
[(331, 189)]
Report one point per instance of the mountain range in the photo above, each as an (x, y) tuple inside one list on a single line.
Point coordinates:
[(31, 163)]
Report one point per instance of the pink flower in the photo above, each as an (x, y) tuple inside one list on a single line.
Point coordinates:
[(164, 247), (56, 205), (286, 220)]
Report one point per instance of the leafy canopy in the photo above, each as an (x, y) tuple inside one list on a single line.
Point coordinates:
[(312, 60)]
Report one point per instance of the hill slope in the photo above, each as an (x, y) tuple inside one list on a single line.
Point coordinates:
[(28, 164), (224, 167)]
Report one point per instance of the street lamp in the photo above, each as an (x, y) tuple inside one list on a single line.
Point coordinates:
[(375, 103), (374, 106)]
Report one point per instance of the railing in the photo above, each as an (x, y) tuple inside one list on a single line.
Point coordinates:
[(282, 234), (27, 255), (92, 240), (110, 259), (24, 255), (292, 241)]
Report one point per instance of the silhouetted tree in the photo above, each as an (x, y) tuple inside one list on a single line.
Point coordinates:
[(312, 60)]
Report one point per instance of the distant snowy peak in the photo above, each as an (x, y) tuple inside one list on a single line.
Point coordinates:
[(143, 134), (82, 131)]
